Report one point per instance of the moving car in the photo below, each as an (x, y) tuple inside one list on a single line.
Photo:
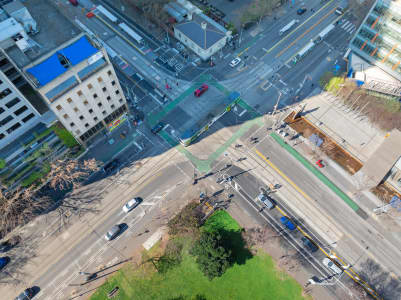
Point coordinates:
[(332, 265), (4, 261), (130, 205), (312, 247), (5, 246), (287, 223), (301, 11), (235, 62), (203, 88), (266, 200), (112, 233), (158, 127), (25, 295), (111, 166)]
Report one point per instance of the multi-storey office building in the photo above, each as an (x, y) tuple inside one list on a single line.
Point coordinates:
[(79, 84)]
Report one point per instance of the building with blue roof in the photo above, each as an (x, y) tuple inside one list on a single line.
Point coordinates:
[(79, 84)]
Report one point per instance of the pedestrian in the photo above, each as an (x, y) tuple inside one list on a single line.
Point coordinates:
[(177, 83)]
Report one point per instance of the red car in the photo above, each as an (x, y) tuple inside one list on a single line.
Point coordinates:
[(198, 92), (320, 163)]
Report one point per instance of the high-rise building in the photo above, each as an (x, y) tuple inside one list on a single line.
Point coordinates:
[(377, 41), (79, 84)]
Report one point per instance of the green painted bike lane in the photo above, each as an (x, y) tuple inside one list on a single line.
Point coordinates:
[(316, 172)]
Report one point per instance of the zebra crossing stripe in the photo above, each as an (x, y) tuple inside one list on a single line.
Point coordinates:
[(345, 24)]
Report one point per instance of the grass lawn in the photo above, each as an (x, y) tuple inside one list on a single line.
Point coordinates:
[(256, 278)]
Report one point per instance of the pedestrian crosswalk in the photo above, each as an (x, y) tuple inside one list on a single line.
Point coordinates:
[(348, 26)]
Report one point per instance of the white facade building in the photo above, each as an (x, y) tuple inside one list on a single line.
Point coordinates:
[(79, 84), (17, 115)]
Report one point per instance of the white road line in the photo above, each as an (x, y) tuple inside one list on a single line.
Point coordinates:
[(344, 24)]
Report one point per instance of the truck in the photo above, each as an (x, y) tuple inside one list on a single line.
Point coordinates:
[(342, 7)]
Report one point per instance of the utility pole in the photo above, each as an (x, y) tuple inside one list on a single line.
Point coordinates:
[(275, 109), (240, 36)]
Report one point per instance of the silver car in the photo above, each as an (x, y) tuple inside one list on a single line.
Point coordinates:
[(332, 265), (266, 200), (112, 233), (131, 205)]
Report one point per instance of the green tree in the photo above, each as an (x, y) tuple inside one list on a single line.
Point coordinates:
[(211, 257), (187, 220)]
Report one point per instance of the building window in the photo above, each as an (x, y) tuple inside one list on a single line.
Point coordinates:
[(179, 35), (113, 83), (72, 124), (79, 93), (104, 89), (104, 112), (78, 131), (69, 100), (1, 110), (81, 117), (109, 73), (12, 102), (91, 111), (76, 109), (6, 120), (117, 92), (86, 102), (86, 125), (90, 86), (14, 127), (5, 93), (28, 117), (95, 119), (99, 104), (95, 96), (99, 79), (58, 107), (66, 116), (108, 98), (112, 106), (121, 100), (20, 110), (2, 136)]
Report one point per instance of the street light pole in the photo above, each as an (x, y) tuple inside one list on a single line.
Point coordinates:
[(275, 109)]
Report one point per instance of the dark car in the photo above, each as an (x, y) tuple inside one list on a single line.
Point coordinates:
[(112, 233), (4, 261), (301, 11), (111, 166), (25, 295), (157, 128), (309, 244), (74, 2), (287, 223), (5, 246)]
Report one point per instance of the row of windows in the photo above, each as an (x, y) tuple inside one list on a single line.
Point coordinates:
[(20, 111), (69, 100), (66, 116), (16, 125), (90, 86)]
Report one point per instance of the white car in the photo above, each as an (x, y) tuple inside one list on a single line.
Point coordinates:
[(332, 265), (282, 133), (235, 62), (131, 205)]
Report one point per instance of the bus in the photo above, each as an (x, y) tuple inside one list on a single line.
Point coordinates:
[(324, 33), (303, 52), (106, 13), (131, 33), (288, 27)]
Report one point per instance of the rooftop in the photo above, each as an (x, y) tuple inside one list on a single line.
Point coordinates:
[(54, 30), (204, 38)]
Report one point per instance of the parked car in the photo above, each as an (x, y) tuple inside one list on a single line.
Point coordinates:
[(203, 88), (301, 11), (157, 128), (282, 133), (235, 62), (5, 246), (332, 265), (320, 163), (111, 166), (266, 200), (25, 295), (4, 261), (130, 205), (308, 243), (112, 233), (287, 223)]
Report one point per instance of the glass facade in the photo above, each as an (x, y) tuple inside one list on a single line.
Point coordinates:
[(378, 40)]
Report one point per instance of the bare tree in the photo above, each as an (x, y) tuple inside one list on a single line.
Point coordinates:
[(69, 173)]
